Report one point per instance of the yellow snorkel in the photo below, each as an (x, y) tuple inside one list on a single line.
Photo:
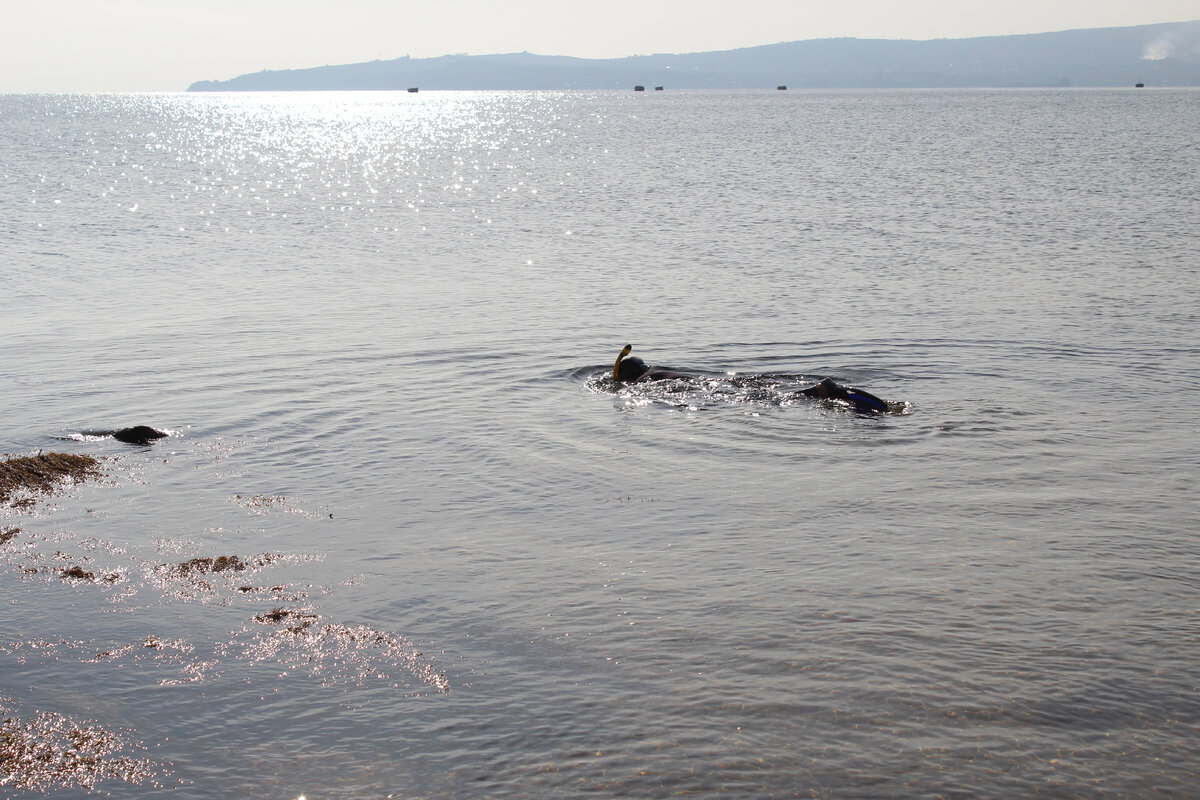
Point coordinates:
[(617, 366)]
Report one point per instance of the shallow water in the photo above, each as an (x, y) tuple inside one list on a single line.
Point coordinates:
[(377, 327)]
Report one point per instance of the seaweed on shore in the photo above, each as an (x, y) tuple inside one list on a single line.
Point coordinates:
[(78, 573), (278, 615), (42, 474), (218, 564), (53, 751), (337, 652), (205, 577)]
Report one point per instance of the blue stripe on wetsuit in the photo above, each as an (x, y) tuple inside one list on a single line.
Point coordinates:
[(862, 399)]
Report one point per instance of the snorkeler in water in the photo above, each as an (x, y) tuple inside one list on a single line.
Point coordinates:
[(631, 369)]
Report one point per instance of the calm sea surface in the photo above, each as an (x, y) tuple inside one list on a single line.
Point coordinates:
[(378, 327)]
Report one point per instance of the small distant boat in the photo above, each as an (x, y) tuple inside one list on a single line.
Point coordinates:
[(413, 89), (1139, 86), (781, 88), (658, 88), (639, 88)]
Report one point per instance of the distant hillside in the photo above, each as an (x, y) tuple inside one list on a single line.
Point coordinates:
[(1155, 55)]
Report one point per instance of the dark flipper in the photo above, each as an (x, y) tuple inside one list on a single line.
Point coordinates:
[(865, 401), (138, 434), (862, 401)]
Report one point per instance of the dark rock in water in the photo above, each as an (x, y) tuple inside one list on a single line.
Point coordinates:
[(138, 434)]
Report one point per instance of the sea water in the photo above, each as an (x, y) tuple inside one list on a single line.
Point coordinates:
[(378, 329)]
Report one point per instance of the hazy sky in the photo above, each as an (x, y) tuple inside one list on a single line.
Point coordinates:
[(164, 45)]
